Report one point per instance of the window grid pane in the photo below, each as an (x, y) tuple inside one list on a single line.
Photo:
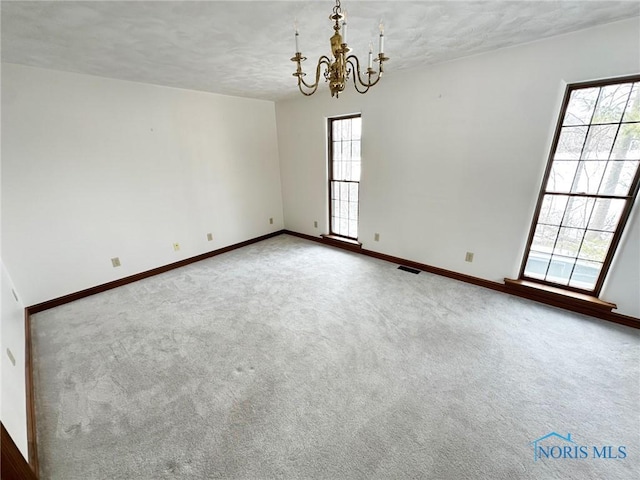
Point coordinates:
[(592, 173), (345, 168)]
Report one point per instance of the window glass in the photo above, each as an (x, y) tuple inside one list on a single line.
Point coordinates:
[(344, 175), (590, 187)]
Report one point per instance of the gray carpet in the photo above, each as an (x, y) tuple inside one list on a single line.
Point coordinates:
[(289, 359)]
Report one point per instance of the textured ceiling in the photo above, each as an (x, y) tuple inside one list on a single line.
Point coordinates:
[(243, 48)]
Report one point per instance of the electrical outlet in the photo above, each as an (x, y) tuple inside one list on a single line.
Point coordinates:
[(468, 257), (11, 357), (376, 237), (209, 236), (115, 262), (271, 221), (315, 224), (176, 246)]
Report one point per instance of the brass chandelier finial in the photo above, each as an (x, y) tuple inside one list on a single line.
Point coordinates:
[(343, 66)]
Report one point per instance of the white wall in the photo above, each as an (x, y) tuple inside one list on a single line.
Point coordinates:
[(453, 154), (94, 168), (13, 402)]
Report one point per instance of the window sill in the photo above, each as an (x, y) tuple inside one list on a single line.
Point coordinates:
[(342, 242), (578, 302)]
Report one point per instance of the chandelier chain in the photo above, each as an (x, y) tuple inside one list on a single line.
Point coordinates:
[(337, 10)]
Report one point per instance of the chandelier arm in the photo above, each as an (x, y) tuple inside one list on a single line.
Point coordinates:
[(310, 92), (357, 78), (355, 72), (312, 88), (323, 60)]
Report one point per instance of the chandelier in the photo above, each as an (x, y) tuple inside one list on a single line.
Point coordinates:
[(343, 65)]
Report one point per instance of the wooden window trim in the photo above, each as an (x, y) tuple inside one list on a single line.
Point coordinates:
[(332, 236), (342, 242), (624, 217), (559, 297)]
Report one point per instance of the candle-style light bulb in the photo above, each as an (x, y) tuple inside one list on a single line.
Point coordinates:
[(381, 37), (344, 28), (370, 54), (295, 26)]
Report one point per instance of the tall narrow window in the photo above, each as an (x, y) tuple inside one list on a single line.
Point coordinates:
[(589, 187), (344, 175)]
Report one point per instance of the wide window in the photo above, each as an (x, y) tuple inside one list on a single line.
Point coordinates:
[(344, 175), (589, 186)]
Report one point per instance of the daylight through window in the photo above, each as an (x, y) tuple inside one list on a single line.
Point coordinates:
[(589, 187), (344, 175)]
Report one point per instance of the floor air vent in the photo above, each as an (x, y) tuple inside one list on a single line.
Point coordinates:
[(408, 269)]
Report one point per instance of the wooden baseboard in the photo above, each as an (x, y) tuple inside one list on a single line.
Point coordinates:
[(436, 270), (626, 320), (32, 444), (575, 302), (303, 235), (13, 466), (601, 313), (594, 308), (30, 393), (139, 276)]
